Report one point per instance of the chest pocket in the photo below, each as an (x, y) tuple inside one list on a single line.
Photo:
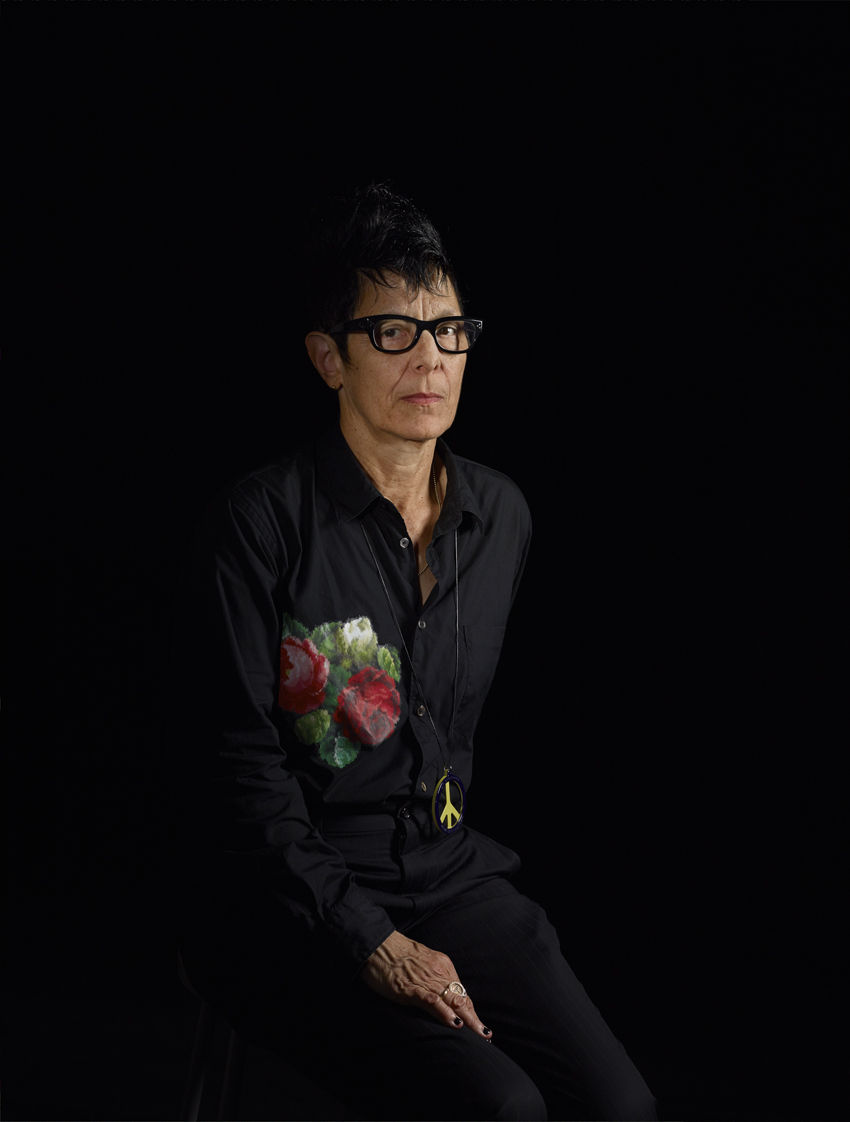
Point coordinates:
[(483, 645)]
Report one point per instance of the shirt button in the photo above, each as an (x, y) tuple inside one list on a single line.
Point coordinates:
[(422, 785), (422, 625), (421, 711), (404, 543)]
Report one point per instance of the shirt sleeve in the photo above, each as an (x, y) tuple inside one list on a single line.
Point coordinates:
[(233, 794), (525, 537)]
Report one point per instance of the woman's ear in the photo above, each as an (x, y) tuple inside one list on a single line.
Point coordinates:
[(325, 357)]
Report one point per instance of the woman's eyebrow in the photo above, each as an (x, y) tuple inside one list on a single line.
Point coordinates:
[(404, 315)]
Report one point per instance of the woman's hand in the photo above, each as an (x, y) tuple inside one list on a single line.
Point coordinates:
[(404, 971)]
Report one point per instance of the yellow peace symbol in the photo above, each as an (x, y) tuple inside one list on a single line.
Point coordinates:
[(449, 809)]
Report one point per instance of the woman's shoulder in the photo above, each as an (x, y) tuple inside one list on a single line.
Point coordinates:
[(485, 476), (489, 485), (281, 477), (267, 497)]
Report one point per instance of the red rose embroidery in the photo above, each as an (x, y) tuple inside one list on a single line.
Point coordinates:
[(303, 674), (368, 708)]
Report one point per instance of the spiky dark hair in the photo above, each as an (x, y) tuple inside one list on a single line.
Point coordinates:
[(371, 233)]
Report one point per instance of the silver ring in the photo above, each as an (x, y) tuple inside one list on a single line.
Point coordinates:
[(454, 987)]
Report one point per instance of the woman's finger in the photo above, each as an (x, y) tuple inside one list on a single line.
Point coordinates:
[(454, 1010), (462, 1007)]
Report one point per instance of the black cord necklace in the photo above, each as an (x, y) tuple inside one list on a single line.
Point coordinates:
[(447, 817)]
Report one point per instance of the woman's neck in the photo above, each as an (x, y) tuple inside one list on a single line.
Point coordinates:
[(400, 470)]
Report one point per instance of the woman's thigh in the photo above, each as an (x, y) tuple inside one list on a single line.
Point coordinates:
[(508, 956), (401, 1063), (551, 1050), (384, 1060)]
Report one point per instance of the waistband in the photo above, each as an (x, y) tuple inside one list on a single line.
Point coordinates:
[(350, 820)]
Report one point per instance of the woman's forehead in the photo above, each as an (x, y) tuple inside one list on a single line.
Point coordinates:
[(395, 295)]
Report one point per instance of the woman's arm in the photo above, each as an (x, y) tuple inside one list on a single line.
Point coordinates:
[(234, 795)]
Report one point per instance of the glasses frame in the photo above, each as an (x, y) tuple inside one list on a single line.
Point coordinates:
[(368, 323)]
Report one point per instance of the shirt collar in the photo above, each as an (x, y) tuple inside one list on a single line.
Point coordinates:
[(353, 492)]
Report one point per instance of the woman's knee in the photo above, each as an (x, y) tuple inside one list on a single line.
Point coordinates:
[(526, 1103), (512, 1098), (486, 1085), (604, 1093), (626, 1102), (448, 1097)]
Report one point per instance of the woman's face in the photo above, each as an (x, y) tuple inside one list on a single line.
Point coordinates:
[(410, 396)]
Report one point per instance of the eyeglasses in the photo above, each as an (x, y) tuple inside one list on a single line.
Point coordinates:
[(454, 335)]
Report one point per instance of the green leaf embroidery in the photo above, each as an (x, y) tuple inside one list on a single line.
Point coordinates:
[(388, 661), (340, 752), (311, 728), (337, 681), (325, 640), (293, 627)]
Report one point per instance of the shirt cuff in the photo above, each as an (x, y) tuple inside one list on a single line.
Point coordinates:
[(357, 927)]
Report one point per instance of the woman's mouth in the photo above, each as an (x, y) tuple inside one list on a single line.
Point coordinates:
[(423, 398)]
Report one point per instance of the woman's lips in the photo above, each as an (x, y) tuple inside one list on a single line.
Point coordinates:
[(423, 398)]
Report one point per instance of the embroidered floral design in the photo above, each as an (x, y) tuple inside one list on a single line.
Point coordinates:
[(338, 687), (303, 673), (368, 708)]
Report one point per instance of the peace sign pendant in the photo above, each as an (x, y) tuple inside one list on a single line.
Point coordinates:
[(448, 803)]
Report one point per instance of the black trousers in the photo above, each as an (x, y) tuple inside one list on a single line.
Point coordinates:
[(552, 1055)]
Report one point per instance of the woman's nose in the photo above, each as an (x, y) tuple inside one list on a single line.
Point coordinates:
[(426, 352)]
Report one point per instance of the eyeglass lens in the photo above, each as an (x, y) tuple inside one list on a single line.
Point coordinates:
[(398, 334)]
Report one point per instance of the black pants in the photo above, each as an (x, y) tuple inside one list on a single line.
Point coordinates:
[(552, 1054)]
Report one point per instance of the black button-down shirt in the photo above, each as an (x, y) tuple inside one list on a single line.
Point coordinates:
[(291, 692)]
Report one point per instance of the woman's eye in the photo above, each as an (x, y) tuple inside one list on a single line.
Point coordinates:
[(395, 335)]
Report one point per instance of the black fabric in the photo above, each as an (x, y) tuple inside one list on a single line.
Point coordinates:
[(552, 1053), (303, 788), (280, 554)]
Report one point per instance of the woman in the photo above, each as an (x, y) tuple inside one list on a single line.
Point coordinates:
[(342, 614)]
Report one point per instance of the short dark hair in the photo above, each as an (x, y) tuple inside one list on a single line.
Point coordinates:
[(367, 234)]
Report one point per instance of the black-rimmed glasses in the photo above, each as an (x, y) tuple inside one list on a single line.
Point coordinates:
[(454, 335)]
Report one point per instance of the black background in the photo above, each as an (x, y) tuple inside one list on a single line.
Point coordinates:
[(644, 213)]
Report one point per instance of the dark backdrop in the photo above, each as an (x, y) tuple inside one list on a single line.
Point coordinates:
[(644, 220)]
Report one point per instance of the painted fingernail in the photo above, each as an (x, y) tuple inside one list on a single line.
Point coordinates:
[(458, 1021), (486, 1031)]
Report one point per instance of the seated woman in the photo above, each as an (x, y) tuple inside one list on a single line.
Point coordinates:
[(340, 619)]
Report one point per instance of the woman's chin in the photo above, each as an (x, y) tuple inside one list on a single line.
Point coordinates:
[(428, 425)]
